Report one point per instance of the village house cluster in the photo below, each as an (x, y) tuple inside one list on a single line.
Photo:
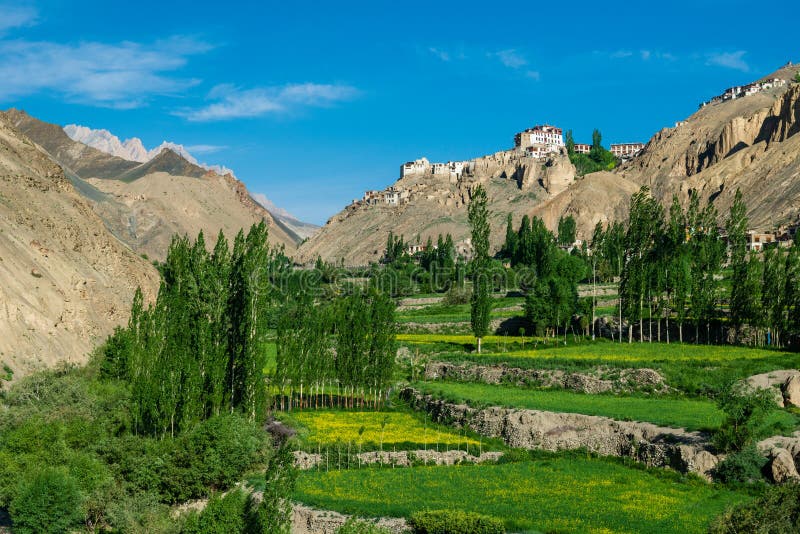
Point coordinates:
[(741, 91), (452, 169), (544, 139), (626, 150)]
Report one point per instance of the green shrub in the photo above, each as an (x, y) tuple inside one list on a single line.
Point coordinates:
[(746, 411), (222, 515), (456, 295), (141, 513), (777, 512), (455, 522), (359, 526), (46, 501), (741, 467)]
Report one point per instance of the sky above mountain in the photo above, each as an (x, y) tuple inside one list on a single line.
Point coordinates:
[(313, 103)]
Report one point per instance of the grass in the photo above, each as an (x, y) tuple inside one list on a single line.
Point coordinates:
[(328, 427), (691, 414), (560, 494)]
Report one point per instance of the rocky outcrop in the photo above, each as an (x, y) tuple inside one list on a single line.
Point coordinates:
[(534, 429), (613, 379), (747, 143), (306, 520), (559, 173)]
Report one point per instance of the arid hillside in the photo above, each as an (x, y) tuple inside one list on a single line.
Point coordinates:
[(145, 204), (65, 281), (749, 143)]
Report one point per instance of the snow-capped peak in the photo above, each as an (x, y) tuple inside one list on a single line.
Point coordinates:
[(132, 149)]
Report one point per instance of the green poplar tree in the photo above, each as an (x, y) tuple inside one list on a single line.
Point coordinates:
[(480, 302), (736, 226)]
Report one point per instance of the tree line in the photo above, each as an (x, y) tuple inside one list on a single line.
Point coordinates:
[(199, 350), (345, 346), (674, 269)]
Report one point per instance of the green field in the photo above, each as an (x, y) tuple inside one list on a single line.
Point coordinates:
[(691, 414), (370, 429), (560, 494)]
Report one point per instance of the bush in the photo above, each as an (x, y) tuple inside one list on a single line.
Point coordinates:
[(220, 516), (746, 411), (741, 467), (359, 526), (455, 522), (456, 295), (778, 511), (46, 501)]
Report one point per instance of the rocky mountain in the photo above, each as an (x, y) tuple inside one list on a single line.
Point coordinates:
[(133, 149), (747, 142), (104, 141), (145, 204), (65, 281), (437, 204), (302, 230)]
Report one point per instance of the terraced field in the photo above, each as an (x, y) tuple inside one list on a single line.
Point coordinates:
[(534, 491), (562, 493)]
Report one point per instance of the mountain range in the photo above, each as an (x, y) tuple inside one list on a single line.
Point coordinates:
[(132, 149)]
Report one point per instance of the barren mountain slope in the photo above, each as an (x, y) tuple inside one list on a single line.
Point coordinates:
[(747, 143), (158, 206), (515, 184), (65, 282), (145, 204)]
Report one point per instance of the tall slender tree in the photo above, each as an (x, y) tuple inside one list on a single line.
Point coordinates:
[(736, 227), (480, 303)]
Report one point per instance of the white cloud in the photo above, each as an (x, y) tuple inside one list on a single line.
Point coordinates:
[(234, 103), (205, 149), (511, 58), (620, 54), (120, 75), (441, 54), (15, 16), (645, 54), (729, 60)]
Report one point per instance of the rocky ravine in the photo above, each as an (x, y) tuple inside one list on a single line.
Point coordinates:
[(65, 281)]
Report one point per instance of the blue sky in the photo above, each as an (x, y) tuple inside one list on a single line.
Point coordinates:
[(313, 103)]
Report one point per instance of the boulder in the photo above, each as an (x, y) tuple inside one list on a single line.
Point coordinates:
[(791, 391), (774, 381), (781, 467)]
